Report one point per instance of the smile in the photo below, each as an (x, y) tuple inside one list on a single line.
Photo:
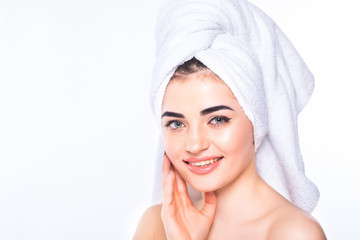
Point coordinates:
[(204, 165)]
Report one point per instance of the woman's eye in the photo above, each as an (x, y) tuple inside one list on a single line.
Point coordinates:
[(175, 125), (219, 120)]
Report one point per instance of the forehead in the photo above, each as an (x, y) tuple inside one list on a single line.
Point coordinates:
[(197, 91)]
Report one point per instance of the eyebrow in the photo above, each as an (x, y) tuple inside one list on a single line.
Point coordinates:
[(214, 109), (203, 112), (172, 114)]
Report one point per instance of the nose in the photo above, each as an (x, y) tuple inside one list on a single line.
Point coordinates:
[(197, 140)]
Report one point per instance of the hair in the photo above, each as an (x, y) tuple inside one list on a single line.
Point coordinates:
[(194, 66), (190, 67)]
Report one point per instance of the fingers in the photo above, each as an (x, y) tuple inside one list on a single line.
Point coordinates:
[(174, 187), (166, 167), (181, 190), (180, 183), (209, 207), (168, 189)]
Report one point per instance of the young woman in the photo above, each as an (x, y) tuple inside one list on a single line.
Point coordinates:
[(227, 89)]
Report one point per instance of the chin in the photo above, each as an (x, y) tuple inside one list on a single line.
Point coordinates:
[(204, 187)]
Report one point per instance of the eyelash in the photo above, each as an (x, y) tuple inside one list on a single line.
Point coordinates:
[(169, 123), (213, 121), (223, 120)]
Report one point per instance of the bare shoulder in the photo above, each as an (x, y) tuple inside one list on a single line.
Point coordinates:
[(150, 225), (290, 222)]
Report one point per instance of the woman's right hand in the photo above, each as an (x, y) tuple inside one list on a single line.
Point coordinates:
[(180, 218)]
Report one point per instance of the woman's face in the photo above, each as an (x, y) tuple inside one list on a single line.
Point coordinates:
[(207, 136)]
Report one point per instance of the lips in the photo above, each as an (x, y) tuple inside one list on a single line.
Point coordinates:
[(203, 165), (205, 162)]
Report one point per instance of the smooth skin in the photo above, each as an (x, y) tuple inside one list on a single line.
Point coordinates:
[(189, 224), (236, 203)]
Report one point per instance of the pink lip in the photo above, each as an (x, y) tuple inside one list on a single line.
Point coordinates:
[(205, 169), (201, 159)]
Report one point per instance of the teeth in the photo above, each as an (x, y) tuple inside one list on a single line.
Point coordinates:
[(204, 163)]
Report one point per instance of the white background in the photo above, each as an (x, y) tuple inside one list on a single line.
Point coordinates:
[(77, 138)]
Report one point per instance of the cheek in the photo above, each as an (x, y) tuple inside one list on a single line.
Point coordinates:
[(173, 146), (235, 141)]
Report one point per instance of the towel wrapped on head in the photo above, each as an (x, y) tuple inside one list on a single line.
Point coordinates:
[(248, 51)]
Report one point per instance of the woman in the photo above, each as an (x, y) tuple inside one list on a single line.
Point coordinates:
[(227, 88)]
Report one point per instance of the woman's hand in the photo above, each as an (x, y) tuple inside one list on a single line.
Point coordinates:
[(181, 219)]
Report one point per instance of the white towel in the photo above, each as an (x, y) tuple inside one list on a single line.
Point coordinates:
[(249, 52)]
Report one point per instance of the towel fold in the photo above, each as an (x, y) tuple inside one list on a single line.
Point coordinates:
[(249, 52)]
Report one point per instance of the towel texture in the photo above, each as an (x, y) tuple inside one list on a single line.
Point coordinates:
[(249, 52)]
